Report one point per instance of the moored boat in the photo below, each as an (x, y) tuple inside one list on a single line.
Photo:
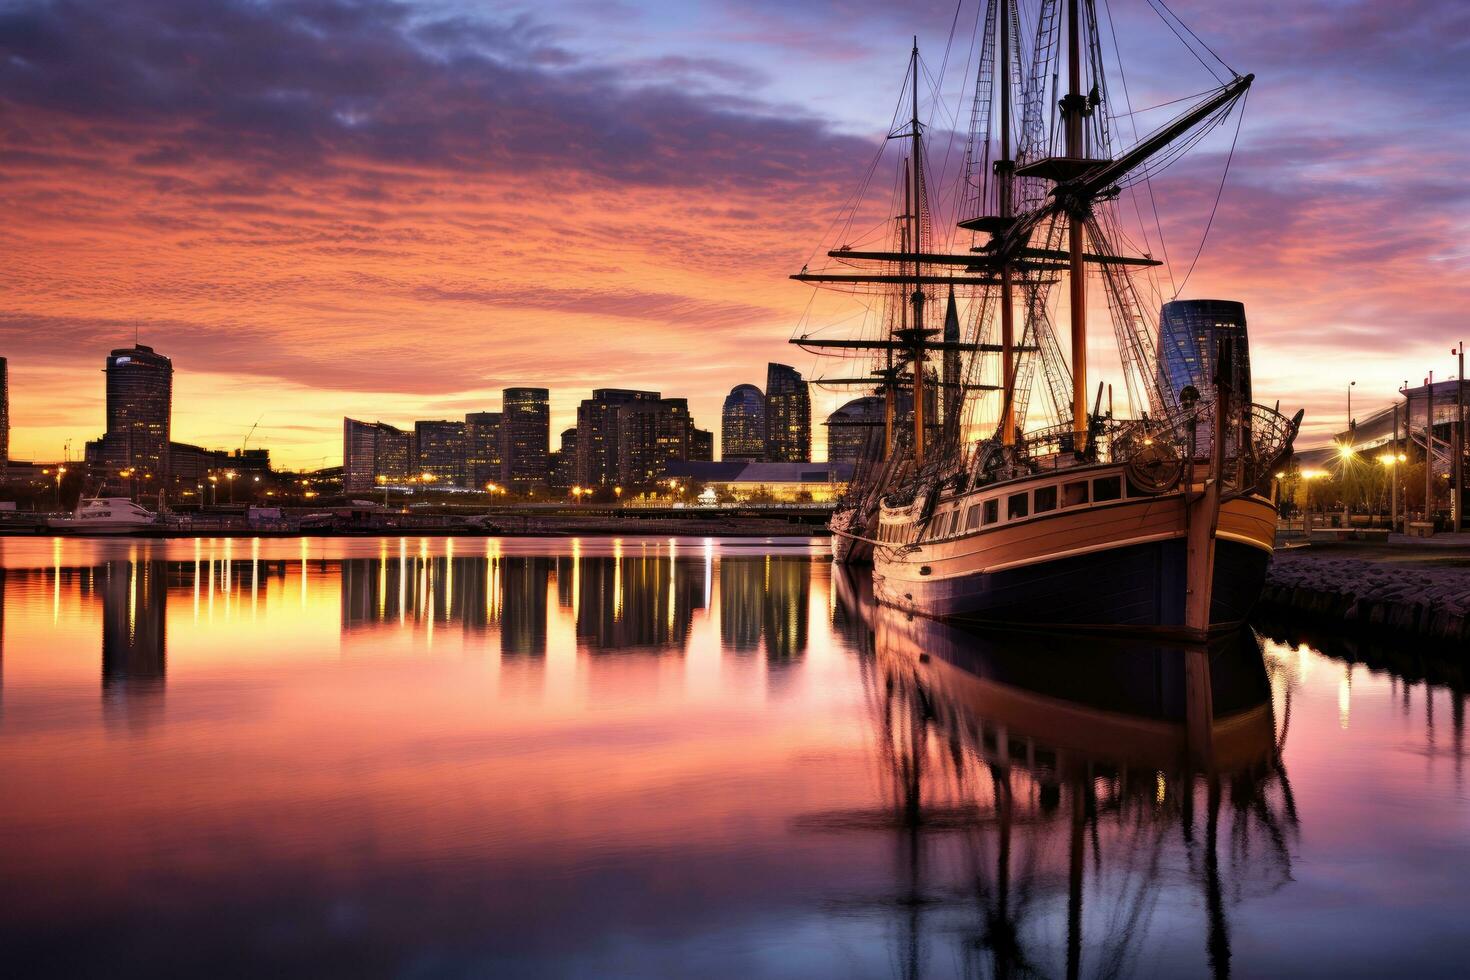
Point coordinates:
[(106, 515), (1157, 517)]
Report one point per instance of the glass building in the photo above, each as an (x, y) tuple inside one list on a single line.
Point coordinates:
[(4, 416), (788, 416), (597, 433), (525, 438), (482, 448), (1190, 331), (854, 428), (371, 450), (652, 434), (440, 452), (140, 386), (743, 425)]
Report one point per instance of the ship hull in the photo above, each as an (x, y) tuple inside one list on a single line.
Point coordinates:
[(849, 539), (1127, 571)]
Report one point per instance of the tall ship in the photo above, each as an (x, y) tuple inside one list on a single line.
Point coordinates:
[(999, 483)]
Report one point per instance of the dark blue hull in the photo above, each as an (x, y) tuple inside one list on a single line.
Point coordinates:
[(1142, 585)]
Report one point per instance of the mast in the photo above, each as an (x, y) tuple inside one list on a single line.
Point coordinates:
[(916, 164), (1072, 108), (1003, 168)]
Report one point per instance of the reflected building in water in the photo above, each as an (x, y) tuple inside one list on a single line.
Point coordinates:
[(134, 639), (637, 601), (643, 600), (766, 598)]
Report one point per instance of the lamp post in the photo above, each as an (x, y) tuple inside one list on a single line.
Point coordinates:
[(230, 484), (60, 470)]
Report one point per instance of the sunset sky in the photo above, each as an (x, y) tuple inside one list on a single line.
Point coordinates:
[(393, 210)]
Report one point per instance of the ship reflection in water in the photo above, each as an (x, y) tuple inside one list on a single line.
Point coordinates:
[(684, 757)]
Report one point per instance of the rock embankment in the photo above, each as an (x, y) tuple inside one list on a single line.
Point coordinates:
[(1422, 600)]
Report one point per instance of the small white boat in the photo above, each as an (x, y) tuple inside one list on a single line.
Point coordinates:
[(106, 515)]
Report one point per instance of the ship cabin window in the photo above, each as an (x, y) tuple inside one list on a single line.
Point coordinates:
[(1074, 494), (991, 512), (1046, 499), (972, 517), (1016, 505), (1107, 488)]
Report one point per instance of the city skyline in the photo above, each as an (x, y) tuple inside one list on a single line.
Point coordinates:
[(353, 252)]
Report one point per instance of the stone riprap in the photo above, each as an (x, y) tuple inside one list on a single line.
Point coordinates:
[(1424, 600)]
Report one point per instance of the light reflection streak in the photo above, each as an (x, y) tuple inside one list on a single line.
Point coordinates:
[(56, 581), (617, 580), (254, 576), (196, 579), (402, 581)]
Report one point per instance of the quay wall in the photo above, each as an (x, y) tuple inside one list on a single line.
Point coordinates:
[(1428, 601)]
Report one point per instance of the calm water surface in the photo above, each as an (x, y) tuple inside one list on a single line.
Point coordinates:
[(437, 757)]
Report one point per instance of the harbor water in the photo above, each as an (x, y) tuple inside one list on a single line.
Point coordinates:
[(686, 757)]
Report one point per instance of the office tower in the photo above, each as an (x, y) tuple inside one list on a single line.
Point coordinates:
[(525, 437), (651, 434), (1189, 334), (597, 433), (439, 452), (564, 472), (788, 416), (701, 445), (140, 385), (482, 448), (743, 425), (4, 416), (371, 450), (855, 431)]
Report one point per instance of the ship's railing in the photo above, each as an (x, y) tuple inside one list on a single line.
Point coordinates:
[(1257, 438)]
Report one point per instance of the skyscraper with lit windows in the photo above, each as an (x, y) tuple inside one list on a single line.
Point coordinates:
[(788, 415), (140, 388), (743, 425), (1190, 331)]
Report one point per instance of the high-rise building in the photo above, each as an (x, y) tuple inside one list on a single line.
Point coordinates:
[(1190, 331), (140, 386), (701, 445), (564, 471), (482, 448), (525, 437), (788, 416), (651, 434), (439, 452), (4, 416), (597, 433), (371, 450), (855, 430), (743, 425)]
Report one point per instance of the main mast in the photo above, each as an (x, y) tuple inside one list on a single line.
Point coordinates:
[(916, 166), (1072, 112), (1003, 168)]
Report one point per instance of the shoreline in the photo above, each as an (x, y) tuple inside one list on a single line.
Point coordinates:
[(1405, 589)]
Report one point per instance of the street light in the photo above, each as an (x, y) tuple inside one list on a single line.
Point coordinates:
[(230, 483)]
